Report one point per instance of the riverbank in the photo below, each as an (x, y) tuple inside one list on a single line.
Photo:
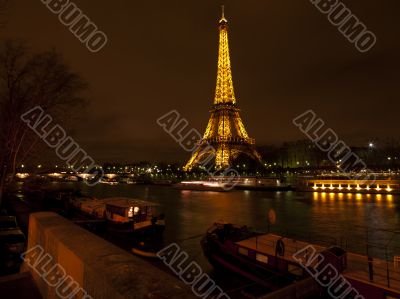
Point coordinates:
[(341, 218)]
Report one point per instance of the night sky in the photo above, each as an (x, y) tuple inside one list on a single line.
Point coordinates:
[(162, 55)]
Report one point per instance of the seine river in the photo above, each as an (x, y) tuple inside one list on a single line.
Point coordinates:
[(328, 217)]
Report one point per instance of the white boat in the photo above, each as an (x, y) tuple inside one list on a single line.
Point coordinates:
[(111, 182), (203, 186)]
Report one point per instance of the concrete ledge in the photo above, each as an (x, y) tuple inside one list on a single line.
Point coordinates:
[(100, 268)]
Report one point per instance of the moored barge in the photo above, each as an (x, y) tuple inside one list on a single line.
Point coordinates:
[(127, 218), (259, 257)]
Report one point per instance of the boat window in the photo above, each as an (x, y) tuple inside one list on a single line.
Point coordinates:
[(335, 185), (310, 185), (373, 186), (243, 251), (383, 186), (117, 210), (353, 186), (262, 258), (363, 186), (319, 185)]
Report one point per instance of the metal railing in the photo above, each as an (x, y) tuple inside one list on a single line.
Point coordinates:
[(380, 264)]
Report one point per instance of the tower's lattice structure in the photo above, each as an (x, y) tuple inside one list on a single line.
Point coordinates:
[(225, 137)]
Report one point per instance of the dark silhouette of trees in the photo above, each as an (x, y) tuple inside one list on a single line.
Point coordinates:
[(28, 80)]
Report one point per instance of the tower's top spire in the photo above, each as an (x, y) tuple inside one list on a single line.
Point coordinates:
[(224, 92), (223, 19)]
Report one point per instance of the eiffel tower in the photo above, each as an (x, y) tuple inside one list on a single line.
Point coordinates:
[(226, 137)]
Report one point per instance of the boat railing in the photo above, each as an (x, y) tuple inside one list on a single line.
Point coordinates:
[(377, 271), (317, 239), (383, 272)]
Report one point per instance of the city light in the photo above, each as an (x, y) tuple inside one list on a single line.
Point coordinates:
[(22, 175)]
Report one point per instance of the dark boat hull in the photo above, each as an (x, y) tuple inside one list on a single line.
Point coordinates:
[(220, 250)]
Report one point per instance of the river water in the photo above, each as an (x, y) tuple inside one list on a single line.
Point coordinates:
[(327, 217)]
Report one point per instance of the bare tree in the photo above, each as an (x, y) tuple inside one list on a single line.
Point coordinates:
[(27, 81)]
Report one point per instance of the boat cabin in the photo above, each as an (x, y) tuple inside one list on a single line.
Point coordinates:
[(125, 210)]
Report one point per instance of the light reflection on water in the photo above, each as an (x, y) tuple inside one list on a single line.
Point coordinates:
[(323, 216)]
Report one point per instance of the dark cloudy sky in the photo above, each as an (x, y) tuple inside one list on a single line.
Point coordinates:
[(162, 55)]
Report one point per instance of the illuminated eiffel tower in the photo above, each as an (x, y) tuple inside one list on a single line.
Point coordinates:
[(226, 137)]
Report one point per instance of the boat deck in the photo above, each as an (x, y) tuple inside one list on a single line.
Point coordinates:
[(385, 273), (266, 244)]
